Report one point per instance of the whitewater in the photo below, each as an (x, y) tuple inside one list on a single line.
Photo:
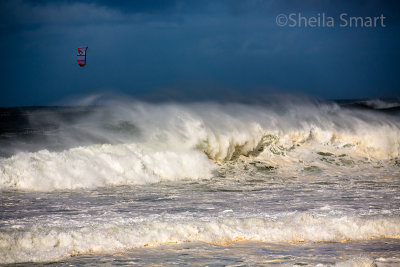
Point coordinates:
[(118, 181)]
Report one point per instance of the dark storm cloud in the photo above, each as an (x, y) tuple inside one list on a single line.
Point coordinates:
[(155, 6), (194, 48), (58, 11), (55, 12), (46, 11)]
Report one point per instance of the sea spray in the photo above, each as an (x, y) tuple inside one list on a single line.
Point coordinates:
[(135, 142)]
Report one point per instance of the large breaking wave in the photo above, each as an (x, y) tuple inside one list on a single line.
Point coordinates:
[(131, 142)]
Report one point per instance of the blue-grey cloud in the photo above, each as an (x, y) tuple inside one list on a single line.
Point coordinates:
[(193, 48)]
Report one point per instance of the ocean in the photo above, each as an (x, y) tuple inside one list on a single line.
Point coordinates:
[(286, 182)]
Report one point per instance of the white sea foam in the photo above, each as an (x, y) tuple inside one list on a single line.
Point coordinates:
[(357, 262), (101, 165), (41, 243), (177, 141), (361, 261)]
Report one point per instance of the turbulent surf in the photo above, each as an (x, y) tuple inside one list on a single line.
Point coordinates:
[(118, 176)]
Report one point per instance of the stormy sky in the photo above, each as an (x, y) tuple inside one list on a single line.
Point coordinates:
[(195, 50)]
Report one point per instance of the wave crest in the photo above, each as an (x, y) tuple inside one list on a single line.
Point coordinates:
[(52, 243), (144, 143)]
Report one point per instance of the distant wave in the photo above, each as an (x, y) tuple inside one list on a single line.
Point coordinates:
[(135, 143), (373, 104), (381, 104)]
